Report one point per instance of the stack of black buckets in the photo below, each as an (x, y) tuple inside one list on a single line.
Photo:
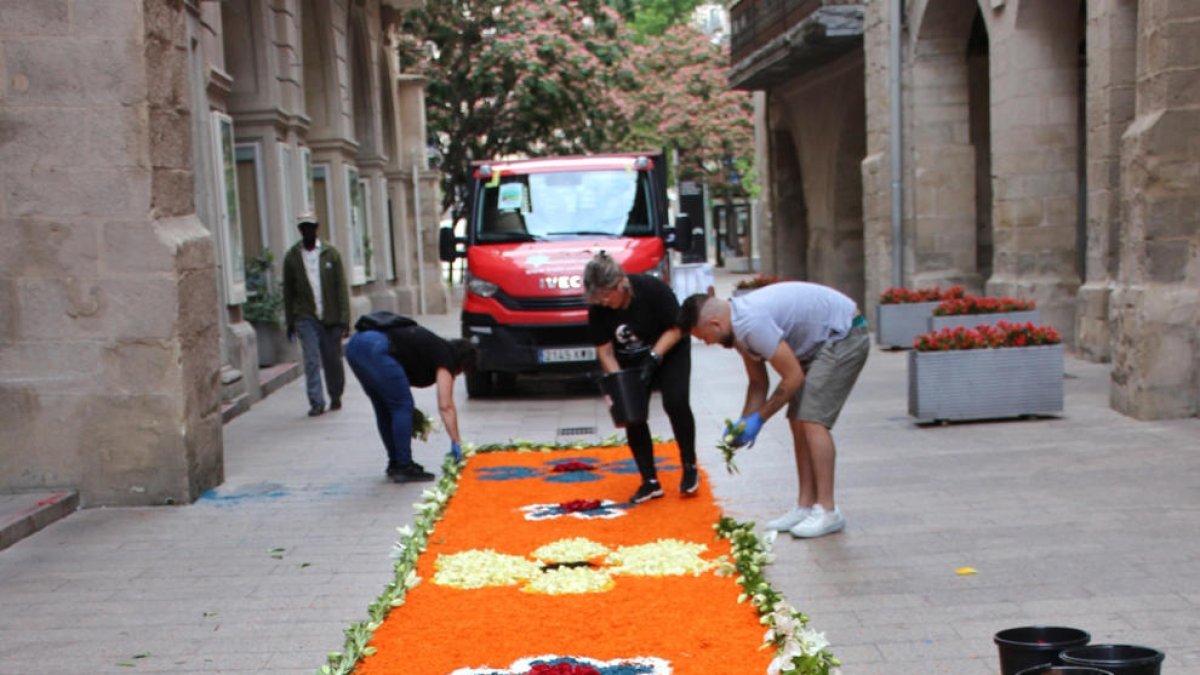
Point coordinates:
[(1058, 650)]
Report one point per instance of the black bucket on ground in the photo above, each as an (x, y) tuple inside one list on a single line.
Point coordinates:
[(629, 395), (1047, 669), (1028, 646), (1117, 659)]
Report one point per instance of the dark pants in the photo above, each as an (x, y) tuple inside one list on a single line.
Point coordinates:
[(673, 378), (386, 383), (321, 347)]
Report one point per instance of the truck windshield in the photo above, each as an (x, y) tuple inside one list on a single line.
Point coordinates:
[(563, 204)]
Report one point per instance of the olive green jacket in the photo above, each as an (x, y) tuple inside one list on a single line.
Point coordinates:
[(298, 300)]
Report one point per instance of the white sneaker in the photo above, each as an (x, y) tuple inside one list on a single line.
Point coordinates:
[(789, 520), (819, 523)]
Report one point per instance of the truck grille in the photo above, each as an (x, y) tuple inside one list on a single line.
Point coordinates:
[(541, 304)]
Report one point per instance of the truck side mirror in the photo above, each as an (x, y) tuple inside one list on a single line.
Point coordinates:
[(448, 245), (679, 237)]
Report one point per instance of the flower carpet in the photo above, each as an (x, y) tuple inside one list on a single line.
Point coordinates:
[(529, 560)]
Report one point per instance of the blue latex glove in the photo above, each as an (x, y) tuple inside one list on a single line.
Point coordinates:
[(456, 451), (754, 423)]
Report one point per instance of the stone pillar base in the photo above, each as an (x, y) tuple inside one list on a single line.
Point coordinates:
[(1156, 352), (1093, 335)]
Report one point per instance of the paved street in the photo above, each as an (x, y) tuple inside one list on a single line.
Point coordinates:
[(1091, 520)]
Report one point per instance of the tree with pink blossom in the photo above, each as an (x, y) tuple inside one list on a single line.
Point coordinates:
[(515, 77)]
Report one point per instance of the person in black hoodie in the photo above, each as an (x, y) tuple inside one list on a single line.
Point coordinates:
[(632, 321), (391, 356)]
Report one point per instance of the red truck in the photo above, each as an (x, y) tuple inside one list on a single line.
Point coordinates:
[(532, 225)]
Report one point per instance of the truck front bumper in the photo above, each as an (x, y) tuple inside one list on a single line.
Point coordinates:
[(530, 348)]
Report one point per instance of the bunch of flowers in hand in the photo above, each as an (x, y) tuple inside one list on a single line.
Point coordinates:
[(758, 281), (422, 425), (973, 304), (901, 296), (1003, 334), (726, 446)]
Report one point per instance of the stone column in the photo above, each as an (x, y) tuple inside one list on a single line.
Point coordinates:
[(876, 176), (940, 165), (109, 346), (424, 195), (1156, 307), (1111, 77), (1035, 137)]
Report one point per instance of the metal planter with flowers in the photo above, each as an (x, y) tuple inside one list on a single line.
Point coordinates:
[(971, 310), (903, 314), (986, 372)]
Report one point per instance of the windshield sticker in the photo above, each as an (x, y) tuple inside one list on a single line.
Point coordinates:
[(495, 179), (512, 197)]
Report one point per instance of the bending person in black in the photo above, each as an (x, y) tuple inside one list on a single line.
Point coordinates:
[(632, 323), (388, 361)]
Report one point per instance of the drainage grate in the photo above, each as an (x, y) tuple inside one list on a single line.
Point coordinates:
[(577, 431)]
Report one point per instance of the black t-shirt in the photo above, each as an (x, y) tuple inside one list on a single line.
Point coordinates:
[(634, 330), (420, 352)]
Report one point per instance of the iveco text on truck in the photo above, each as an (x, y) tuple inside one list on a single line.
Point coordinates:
[(532, 226)]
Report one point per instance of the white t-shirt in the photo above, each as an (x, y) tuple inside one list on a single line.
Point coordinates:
[(802, 314), (312, 269)]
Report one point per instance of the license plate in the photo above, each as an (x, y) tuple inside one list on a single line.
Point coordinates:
[(566, 355)]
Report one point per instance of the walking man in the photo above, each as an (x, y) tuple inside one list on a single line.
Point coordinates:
[(316, 305), (817, 341)]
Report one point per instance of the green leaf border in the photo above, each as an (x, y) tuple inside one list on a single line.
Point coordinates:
[(750, 557)]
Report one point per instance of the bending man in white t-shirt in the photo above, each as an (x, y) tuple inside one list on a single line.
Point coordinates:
[(817, 341)]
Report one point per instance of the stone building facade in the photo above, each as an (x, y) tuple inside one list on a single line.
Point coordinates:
[(1049, 151), (148, 150)]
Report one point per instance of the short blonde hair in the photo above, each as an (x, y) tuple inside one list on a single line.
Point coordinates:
[(602, 273)]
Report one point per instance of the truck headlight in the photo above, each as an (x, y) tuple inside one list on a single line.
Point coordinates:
[(481, 287), (660, 270)]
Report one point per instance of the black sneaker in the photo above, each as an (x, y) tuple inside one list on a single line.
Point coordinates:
[(649, 490), (316, 410), (412, 473), (690, 482), (336, 404), (392, 468)]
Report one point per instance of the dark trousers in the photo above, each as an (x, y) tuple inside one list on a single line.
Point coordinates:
[(386, 383), (673, 378), (321, 347)]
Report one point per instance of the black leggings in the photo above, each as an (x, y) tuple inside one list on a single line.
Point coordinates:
[(673, 378)]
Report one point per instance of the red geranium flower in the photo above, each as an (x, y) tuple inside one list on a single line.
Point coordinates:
[(567, 467), (579, 505)]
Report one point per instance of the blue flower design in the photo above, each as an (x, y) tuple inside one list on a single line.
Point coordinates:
[(547, 473)]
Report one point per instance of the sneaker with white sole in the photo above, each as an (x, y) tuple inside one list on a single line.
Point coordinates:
[(789, 520), (819, 523), (649, 490)]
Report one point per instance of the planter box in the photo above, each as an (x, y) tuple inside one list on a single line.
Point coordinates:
[(975, 384), (273, 345), (896, 326), (972, 320)]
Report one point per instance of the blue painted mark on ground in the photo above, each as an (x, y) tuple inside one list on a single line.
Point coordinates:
[(245, 493)]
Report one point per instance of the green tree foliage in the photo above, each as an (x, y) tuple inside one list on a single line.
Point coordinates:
[(653, 17)]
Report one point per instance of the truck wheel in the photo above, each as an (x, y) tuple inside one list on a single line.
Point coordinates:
[(479, 384)]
